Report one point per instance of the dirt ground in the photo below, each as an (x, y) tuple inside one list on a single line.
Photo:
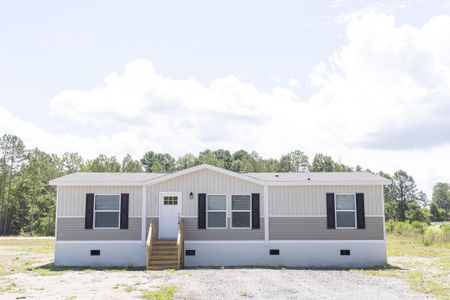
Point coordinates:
[(225, 283), (26, 272)]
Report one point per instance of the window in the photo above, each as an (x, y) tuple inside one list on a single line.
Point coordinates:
[(345, 211), (240, 211), (170, 200), (106, 211), (216, 208)]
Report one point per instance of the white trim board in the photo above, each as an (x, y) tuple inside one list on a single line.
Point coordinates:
[(143, 215), (297, 216), (266, 214), (100, 242), (284, 241), (61, 217), (56, 213)]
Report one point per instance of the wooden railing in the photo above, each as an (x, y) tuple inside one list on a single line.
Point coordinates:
[(180, 243), (150, 239)]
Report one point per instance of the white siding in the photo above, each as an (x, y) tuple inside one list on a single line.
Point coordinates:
[(310, 200), (202, 181), (72, 199)]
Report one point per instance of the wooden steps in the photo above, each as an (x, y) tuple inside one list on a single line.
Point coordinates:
[(164, 255)]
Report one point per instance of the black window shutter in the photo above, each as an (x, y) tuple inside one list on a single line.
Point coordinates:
[(330, 211), (360, 215), (255, 211), (89, 214), (124, 199), (201, 211)]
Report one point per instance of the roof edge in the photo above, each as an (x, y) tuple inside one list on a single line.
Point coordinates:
[(203, 167), (246, 177)]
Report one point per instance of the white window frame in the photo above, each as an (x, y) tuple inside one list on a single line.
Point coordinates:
[(214, 210), (240, 210), (110, 210), (344, 210), (172, 196)]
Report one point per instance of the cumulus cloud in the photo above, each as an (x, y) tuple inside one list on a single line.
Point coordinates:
[(388, 82), (382, 100), (393, 80)]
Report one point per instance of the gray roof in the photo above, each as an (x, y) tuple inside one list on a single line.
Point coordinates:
[(316, 176), (104, 177), (139, 179)]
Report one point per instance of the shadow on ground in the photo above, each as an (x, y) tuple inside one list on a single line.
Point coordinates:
[(51, 268)]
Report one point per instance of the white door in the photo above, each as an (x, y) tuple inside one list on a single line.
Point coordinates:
[(169, 214)]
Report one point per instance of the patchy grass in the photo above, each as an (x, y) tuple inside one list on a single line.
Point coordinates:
[(10, 286), (126, 287), (21, 254), (387, 271), (163, 293), (425, 268), (404, 246), (34, 245)]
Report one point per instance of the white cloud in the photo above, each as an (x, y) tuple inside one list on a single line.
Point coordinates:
[(394, 80), (378, 99), (293, 83)]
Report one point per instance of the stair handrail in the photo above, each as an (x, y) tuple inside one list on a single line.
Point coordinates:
[(180, 243), (150, 239)]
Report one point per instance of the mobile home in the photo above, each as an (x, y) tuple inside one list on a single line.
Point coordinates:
[(209, 216)]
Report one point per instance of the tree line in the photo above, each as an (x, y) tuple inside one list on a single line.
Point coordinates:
[(27, 202)]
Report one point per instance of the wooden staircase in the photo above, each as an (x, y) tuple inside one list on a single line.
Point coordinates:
[(164, 254)]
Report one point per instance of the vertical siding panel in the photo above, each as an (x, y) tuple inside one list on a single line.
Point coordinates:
[(73, 203), (309, 200), (72, 198), (206, 181)]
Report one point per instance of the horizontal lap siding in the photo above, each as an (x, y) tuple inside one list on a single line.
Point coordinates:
[(315, 228), (72, 199), (310, 200), (202, 181), (72, 229), (192, 233)]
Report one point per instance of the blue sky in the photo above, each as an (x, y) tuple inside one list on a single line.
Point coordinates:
[(367, 82)]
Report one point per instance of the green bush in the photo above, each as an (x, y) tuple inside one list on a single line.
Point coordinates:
[(420, 231), (445, 228), (431, 236), (419, 227)]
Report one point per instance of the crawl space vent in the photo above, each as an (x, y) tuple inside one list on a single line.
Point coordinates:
[(345, 252)]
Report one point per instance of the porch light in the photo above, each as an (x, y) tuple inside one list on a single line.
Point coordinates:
[(191, 195)]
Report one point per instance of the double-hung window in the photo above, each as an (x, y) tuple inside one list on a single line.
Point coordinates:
[(240, 211), (216, 216), (345, 210), (106, 211)]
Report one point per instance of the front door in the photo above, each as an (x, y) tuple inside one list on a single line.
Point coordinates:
[(169, 214)]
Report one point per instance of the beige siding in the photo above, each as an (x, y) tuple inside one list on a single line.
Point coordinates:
[(72, 229), (72, 199), (192, 233), (310, 200), (315, 228), (202, 181)]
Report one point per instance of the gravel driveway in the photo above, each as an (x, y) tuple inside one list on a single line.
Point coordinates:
[(239, 283)]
